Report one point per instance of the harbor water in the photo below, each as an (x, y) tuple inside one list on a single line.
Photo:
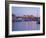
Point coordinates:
[(26, 25)]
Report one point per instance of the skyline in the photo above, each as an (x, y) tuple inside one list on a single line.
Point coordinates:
[(20, 11)]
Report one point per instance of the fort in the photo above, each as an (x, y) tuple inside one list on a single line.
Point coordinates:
[(28, 17), (25, 18)]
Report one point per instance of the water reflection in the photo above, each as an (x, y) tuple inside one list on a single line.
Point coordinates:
[(26, 25)]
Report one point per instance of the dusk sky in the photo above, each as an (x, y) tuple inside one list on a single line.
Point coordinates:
[(20, 11)]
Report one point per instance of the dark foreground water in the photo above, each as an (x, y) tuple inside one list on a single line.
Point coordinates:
[(28, 25)]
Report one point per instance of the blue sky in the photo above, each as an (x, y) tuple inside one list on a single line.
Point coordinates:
[(20, 11)]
